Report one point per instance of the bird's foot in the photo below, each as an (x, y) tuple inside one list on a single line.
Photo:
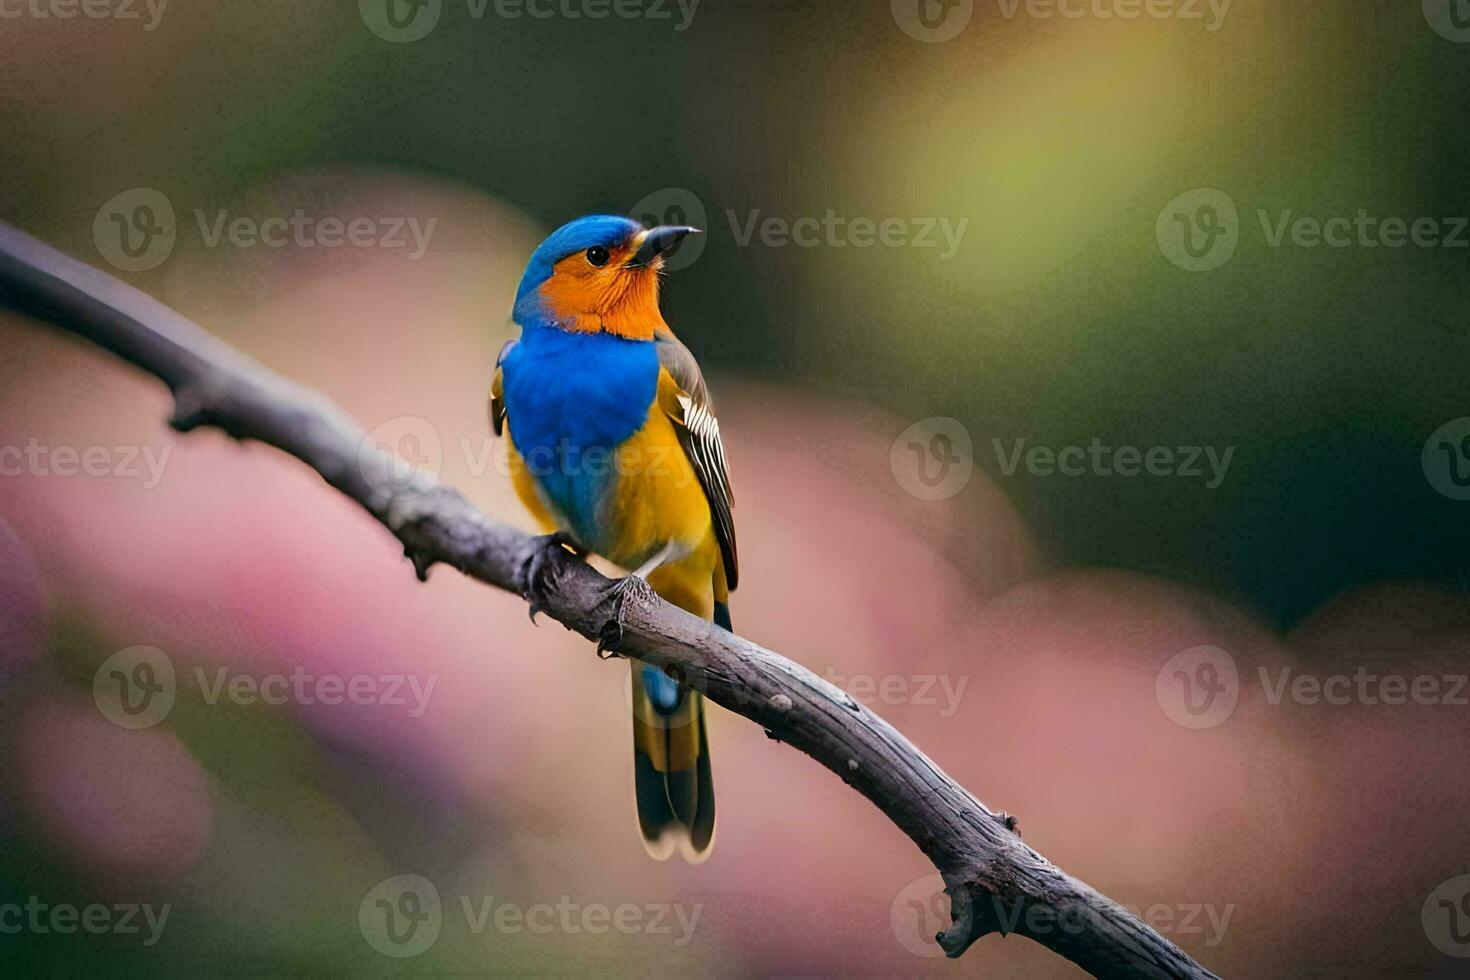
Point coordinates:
[(540, 567), (611, 633)]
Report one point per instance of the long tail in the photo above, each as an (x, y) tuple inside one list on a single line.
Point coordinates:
[(674, 788)]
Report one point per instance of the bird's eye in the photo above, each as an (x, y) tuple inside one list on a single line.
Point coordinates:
[(597, 255)]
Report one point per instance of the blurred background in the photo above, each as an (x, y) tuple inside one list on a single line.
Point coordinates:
[(950, 247)]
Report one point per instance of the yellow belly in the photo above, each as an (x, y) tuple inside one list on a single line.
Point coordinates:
[(655, 500)]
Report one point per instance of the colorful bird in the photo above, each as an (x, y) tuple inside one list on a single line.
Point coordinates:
[(614, 446)]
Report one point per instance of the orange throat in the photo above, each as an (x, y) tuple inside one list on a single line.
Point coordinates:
[(623, 301)]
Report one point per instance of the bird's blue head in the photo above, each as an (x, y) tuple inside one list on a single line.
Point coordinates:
[(597, 274)]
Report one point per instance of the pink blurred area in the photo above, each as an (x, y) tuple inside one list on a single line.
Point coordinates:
[(130, 808), (22, 606), (239, 557)]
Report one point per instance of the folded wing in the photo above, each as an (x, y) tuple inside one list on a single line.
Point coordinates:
[(692, 413)]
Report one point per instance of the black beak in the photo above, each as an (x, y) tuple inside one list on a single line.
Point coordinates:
[(658, 241)]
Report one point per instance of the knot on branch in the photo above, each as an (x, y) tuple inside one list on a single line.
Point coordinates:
[(193, 406), (417, 519), (974, 912)]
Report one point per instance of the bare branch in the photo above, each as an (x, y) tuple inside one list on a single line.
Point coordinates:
[(995, 882)]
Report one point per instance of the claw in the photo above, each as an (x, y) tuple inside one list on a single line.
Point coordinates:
[(421, 564), (608, 637), (611, 633), (535, 569)]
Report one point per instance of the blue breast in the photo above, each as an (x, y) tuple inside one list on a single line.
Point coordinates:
[(571, 399)]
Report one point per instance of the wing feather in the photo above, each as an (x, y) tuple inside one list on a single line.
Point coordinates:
[(497, 392), (693, 415)]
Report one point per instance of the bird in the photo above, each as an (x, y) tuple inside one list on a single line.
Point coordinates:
[(614, 447)]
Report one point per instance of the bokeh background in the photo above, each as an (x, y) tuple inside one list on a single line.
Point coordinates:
[(1052, 608)]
